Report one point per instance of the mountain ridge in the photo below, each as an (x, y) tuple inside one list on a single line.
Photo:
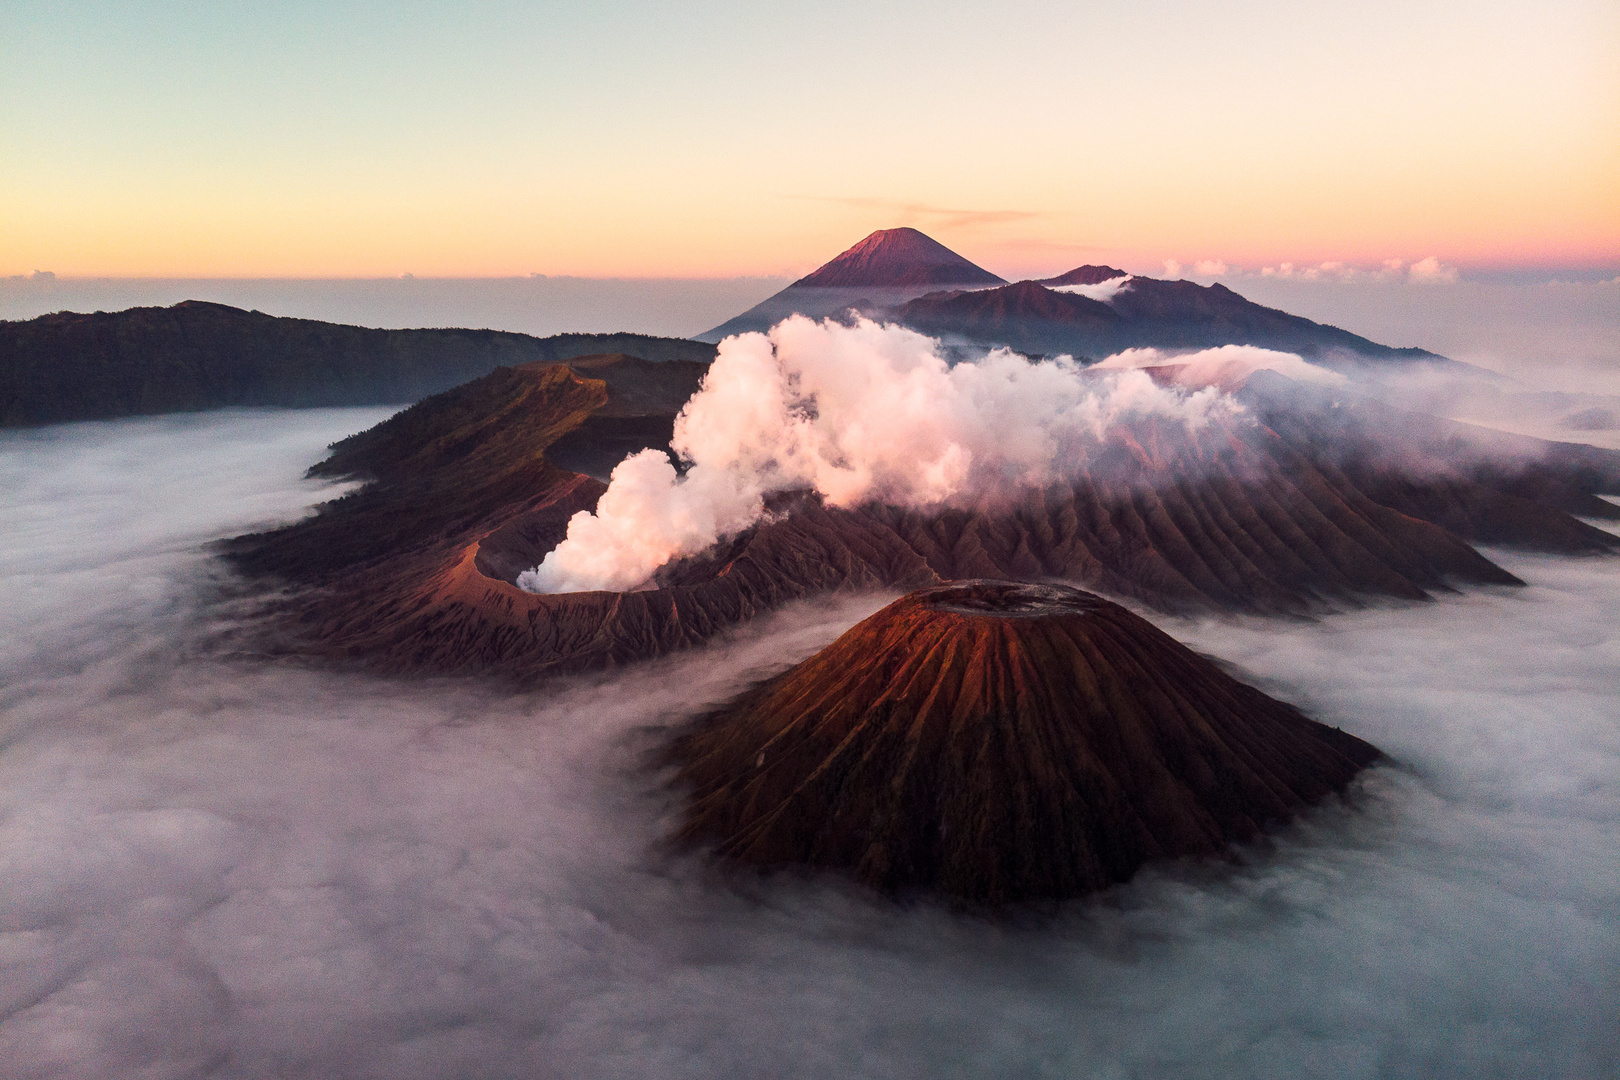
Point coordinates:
[(1030, 317), (1084, 275), (902, 275), (196, 355)]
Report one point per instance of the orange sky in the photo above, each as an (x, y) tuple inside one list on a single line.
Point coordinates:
[(505, 139)]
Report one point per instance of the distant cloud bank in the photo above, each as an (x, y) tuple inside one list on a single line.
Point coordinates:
[(1429, 270)]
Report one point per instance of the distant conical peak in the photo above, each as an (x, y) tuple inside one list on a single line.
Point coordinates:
[(898, 258)]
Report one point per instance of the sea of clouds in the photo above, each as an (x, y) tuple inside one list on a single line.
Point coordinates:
[(223, 866)]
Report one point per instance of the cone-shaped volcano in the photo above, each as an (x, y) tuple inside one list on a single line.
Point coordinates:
[(897, 257), (1002, 742), (887, 268)]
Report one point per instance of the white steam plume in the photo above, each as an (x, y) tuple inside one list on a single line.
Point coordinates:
[(854, 413), (1226, 366), (1102, 290)]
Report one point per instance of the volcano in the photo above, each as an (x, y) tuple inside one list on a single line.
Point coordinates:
[(905, 276), (887, 268), (897, 257), (1001, 742), (1313, 507)]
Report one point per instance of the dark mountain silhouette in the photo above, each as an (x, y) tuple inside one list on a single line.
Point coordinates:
[(198, 355), (1001, 742), (1147, 312), (885, 269), (1300, 513)]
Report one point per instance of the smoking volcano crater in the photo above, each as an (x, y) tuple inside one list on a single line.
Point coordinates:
[(1000, 742), (485, 539)]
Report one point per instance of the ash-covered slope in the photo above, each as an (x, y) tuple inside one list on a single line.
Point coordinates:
[(1146, 312), (883, 270), (198, 355), (474, 458), (1001, 742)]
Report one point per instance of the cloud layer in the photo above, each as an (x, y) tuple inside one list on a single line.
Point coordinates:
[(240, 869), (1428, 270)]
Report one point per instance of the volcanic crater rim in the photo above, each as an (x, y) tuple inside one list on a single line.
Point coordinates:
[(1008, 599)]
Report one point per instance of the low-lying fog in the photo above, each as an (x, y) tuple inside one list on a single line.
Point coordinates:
[(227, 867)]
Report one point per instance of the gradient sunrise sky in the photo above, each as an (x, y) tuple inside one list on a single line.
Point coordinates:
[(337, 139)]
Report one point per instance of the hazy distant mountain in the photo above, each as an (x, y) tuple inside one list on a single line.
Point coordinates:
[(887, 268), (1085, 275), (1143, 312), (895, 274), (897, 257), (1025, 316), (198, 355)]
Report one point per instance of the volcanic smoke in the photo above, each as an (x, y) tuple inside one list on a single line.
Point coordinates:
[(856, 414)]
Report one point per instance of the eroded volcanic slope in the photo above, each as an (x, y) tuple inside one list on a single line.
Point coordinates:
[(1001, 742), (480, 461), (197, 355), (469, 488)]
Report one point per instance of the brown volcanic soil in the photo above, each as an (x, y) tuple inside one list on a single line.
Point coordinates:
[(1001, 742), (416, 571), (468, 462), (897, 257)]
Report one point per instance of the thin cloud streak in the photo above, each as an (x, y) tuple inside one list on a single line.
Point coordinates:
[(921, 214)]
